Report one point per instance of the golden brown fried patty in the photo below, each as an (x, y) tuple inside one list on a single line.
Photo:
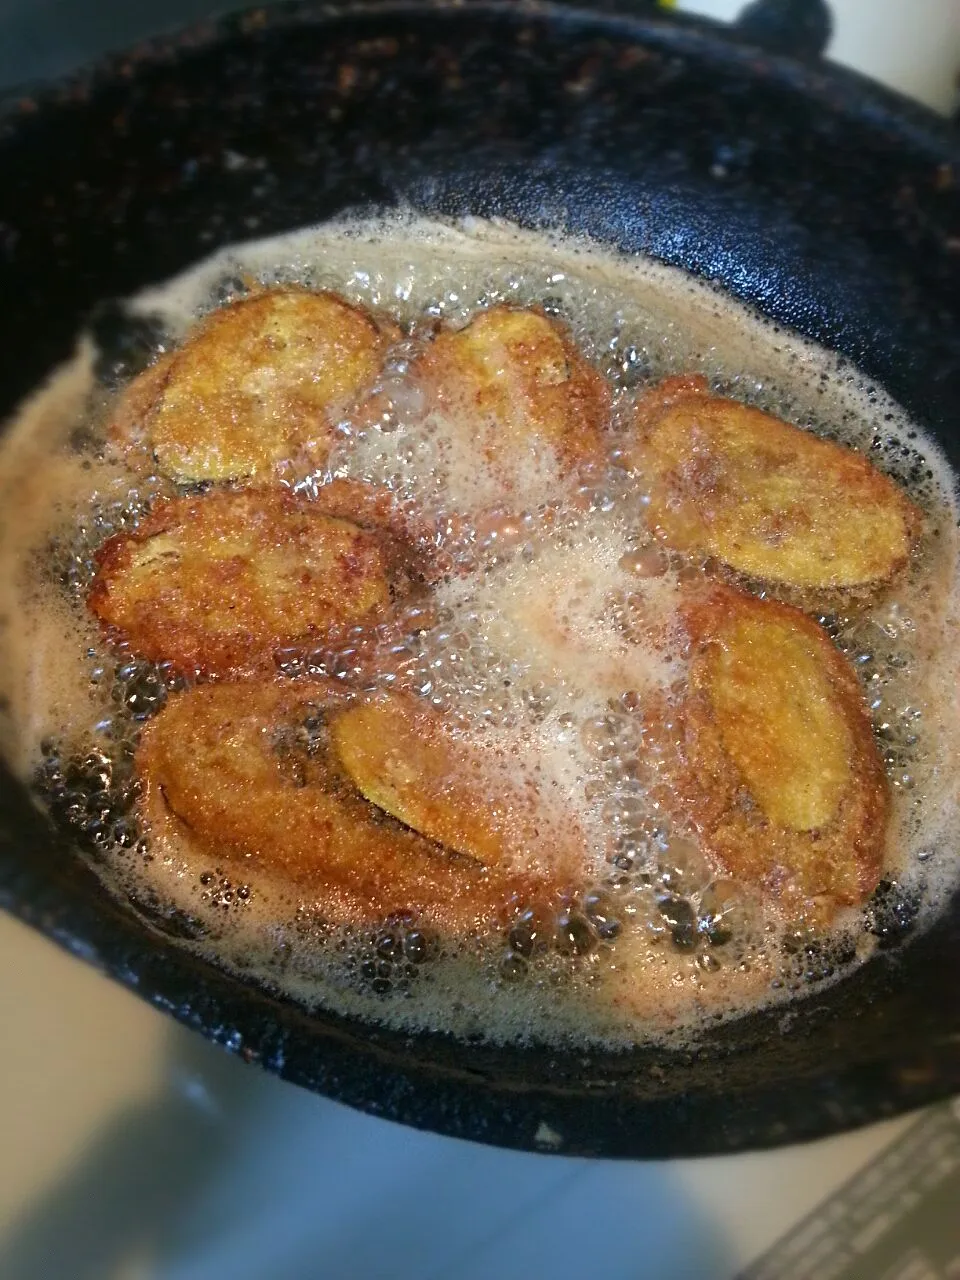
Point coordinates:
[(255, 383), (514, 379), (778, 770), (246, 770), (768, 499), (410, 761), (215, 584)]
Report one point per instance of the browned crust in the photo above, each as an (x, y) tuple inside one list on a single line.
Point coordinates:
[(137, 401), (416, 764), (768, 499), (230, 762), (254, 384), (760, 668), (517, 378), (216, 584)]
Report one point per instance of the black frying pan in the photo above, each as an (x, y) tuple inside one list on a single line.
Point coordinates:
[(829, 204)]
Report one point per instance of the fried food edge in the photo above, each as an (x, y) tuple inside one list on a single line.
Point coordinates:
[(255, 383), (779, 770), (233, 764), (406, 758), (769, 499), (216, 584), (518, 373)]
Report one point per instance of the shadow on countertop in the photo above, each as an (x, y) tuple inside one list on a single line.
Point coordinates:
[(229, 1172)]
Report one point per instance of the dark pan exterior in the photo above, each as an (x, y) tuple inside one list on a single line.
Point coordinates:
[(831, 205)]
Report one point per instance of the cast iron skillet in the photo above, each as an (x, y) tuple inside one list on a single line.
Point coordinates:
[(831, 205)]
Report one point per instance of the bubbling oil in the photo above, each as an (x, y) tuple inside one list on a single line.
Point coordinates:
[(553, 625)]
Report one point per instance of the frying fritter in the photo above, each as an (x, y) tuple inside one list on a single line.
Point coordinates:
[(514, 380), (778, 770), (139, 400), (766, 498), (409, 761), (257, 382), (215, 584), (247, 771)]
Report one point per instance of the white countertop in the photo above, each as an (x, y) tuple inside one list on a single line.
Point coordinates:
[(911, 45), (133, 1149)]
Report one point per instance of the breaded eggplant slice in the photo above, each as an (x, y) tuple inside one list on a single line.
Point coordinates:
[(413, 763), (515, 379), (779, 772), (257, 382), (768, 499), (215, 584), (247, 772)]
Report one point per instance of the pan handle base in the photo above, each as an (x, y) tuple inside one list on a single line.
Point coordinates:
[(797, 28)]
